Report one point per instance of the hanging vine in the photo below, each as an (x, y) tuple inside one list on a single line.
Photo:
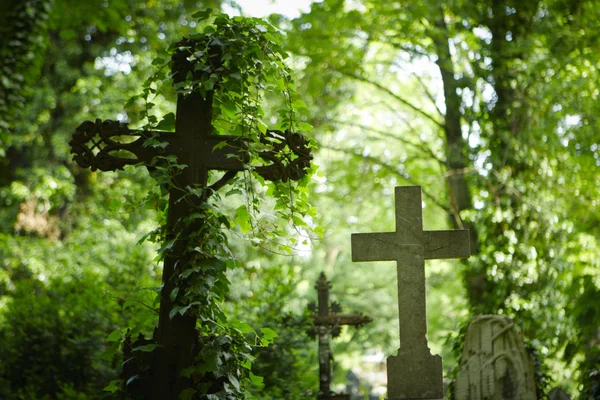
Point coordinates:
[(238, 61)]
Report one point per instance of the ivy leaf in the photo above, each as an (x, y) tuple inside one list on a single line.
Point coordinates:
[(202, 15), (319, 230), (167, 123), (233, 380), (210, 82), (269, 336), (174, 293), (167, 245), (188, 394), (304, 127), (158, 61), (112, 386), (174, 312), (209, 363), (114, 335), (241, 326), (114, 204), (146, 348), (256, 380), (298, 221), (220, 145), (242, 218)]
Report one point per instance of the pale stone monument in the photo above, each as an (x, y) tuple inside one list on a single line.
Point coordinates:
[(494, 363), (558, 393), (413, 373)]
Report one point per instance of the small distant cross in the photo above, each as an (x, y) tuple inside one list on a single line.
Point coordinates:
[(414, 373), (329, 324)]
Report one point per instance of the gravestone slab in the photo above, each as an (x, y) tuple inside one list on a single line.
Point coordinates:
[(558, 394), (494, 364)]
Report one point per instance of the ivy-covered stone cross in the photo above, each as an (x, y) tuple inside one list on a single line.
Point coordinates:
[(99, 145), (414, 373)]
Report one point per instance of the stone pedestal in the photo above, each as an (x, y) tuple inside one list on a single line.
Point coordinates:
[(415, 374)]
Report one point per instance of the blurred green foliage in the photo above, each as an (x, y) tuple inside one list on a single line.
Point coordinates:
[(378, 80), (492, 108)]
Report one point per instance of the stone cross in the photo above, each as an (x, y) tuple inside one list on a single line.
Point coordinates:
[(326, 324), (99, 146), (413, 373)]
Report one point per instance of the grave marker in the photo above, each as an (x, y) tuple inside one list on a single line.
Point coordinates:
[(494, 363), (414, 373), (329, 323), (96, 145)]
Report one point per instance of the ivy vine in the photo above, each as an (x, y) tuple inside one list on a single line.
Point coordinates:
[(241, 60), (22, 31)]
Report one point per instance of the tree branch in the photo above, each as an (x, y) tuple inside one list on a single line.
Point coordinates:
[(428, 93), (394, 95), (387, 167), (420, 147)]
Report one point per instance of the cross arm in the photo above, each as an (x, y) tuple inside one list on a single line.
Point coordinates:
[(447, 244), (374, 246), (341, 319), (110, 145), (96, 145)]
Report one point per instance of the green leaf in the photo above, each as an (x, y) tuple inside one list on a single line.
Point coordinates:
[(146, 348), (268, 336), (202, 15), (187, 394), (113, 386), (242, 218), (114, 204), (256, 380), (114, 335), (220, 145), (158, 61), (174, 311), (210, 82), (233, 380), (167, 123), (241, 326), (167, 245)]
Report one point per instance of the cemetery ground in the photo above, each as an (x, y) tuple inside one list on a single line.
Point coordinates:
[(366, 200)]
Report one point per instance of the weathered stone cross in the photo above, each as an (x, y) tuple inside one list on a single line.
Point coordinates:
[(99, 146), (414, 373), (330, 323)]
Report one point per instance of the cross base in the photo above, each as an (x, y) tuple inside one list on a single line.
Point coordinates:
[(415, 374)]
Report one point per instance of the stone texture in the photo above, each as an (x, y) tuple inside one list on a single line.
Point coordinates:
[(558, 394), (414, 373), (494, 364)]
